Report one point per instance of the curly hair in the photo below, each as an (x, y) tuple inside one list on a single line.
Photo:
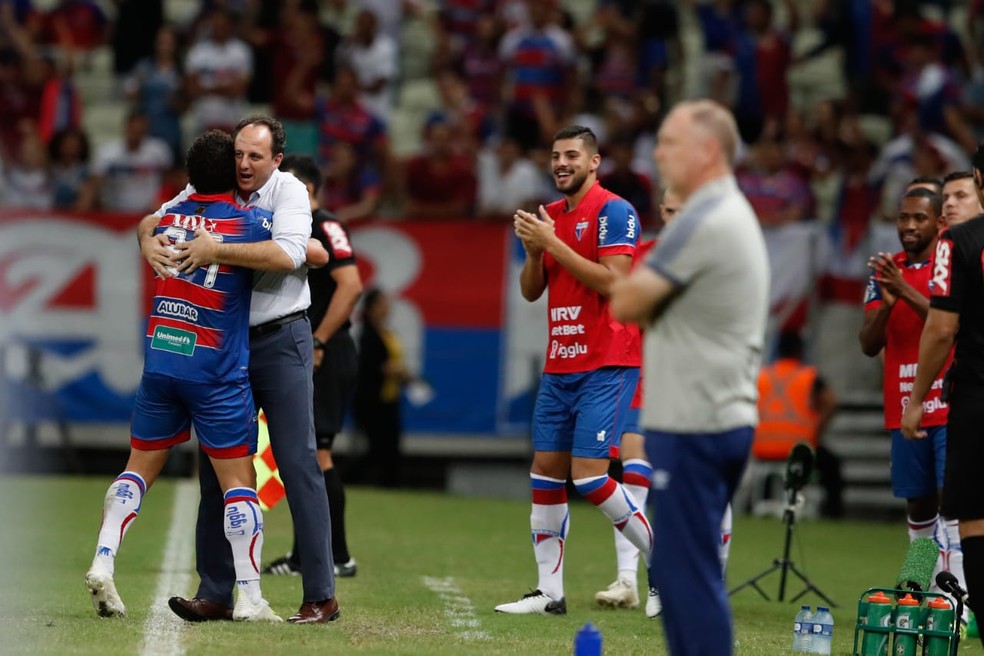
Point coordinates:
[(211, 163)]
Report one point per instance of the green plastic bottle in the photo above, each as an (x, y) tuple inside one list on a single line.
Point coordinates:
[(906, 617), (875, 643), (940, 619)]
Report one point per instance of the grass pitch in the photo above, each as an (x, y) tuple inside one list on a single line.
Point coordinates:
[(431, 568)]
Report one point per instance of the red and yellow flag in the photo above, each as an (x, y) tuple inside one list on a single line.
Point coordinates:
[(269, 486)]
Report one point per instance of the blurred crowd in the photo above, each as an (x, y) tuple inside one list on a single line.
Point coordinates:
[(506, 75)]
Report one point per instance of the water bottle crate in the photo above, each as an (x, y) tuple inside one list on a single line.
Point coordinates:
[(906, 623)]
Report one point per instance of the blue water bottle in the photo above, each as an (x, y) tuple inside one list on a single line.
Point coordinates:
[(587, 641)]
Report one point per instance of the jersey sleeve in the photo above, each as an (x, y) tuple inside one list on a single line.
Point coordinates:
[(950, 274), (872, 294), (261, 224), (618, 228), (338, 244)]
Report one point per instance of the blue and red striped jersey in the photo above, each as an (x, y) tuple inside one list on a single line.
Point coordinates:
[(198, 328)]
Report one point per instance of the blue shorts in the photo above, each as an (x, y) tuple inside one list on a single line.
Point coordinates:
[(223, 415), (631, 424), (583, 413), (918, 465)]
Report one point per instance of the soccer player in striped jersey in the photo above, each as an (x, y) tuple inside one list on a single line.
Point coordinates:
[(196, 356)]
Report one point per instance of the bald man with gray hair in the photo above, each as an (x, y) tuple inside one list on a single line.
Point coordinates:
[(702, 297)]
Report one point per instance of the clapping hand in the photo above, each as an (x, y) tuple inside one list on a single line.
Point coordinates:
[(534, 231)]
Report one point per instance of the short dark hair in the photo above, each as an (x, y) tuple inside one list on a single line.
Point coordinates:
[(927, 180), (211, 163), (277, 133), (581, 132), (935, 199), (304, 169), (957, 175)]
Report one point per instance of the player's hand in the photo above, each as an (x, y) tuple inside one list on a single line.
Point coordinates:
[(155, 250), (319, 357), (911, 420), (198, 252), (888, 275), (535, 232)]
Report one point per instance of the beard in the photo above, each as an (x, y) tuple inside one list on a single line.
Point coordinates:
[(573, 184)]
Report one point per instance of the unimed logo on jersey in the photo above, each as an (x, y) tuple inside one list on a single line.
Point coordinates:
[(174, 340), (941, 267)]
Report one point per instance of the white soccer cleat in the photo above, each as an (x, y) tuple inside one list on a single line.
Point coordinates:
[(620, 594), (105, 599), (249, 612), (653, 605), (534, 603)]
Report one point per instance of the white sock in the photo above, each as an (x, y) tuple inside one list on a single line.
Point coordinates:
[(244, 531), (612, 499), (120, 507), (727, 522), (636, 475), (549, 524), (954, 554)]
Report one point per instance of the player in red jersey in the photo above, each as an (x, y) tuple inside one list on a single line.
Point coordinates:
[(577, 248), (895, 308)]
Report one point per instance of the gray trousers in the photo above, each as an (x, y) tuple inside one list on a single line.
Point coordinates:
[(280, 373)]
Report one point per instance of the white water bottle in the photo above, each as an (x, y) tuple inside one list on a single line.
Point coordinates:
[(802, 627), (823, 631)]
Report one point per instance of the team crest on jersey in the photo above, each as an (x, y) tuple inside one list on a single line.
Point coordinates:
[(580, 228)]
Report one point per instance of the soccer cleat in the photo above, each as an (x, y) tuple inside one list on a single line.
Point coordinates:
[(620, 594), (346, 570), (249, 612), (534, 603), (653, 605), (284, 566), (105, 599)]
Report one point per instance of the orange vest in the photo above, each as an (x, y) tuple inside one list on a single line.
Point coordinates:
[(786, 414)]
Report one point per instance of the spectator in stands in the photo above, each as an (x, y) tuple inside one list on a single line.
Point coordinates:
[(796, 405), (541, 58), (75, 25), (28, 182), (21, 80), (622, 180), (68, 158), (61, 101), (468, 120), (507, 180), (929, 94), (135, 31), (373, 56), (218, 69), (480, 65), (156, 88), (341, 116), (351, 190), (128, 172), (763, 55), (303, 55), (438, 183), (776, 192)]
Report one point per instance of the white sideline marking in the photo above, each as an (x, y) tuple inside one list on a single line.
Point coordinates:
[(458, 608), (162, 630)]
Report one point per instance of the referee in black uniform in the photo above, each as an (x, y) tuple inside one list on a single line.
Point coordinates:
[(956, 315), (335, 290)]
